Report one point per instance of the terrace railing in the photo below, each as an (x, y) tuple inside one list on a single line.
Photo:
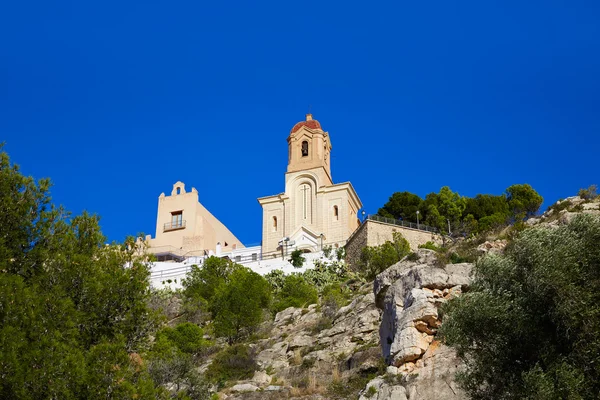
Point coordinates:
[(173, 225), (406, 224)]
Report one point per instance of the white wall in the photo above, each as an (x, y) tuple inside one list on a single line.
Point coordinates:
[(161, 272)]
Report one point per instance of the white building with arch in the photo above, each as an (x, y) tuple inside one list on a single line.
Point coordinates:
[(312, 211)]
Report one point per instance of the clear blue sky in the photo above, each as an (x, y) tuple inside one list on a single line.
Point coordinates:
[(117, 100)]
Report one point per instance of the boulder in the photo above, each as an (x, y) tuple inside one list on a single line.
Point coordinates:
[(261, 378), (301, 341), (244, 387), (379, 389)]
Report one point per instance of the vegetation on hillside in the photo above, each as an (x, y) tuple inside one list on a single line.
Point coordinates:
[(447, 210), (375, 259), (73, 311), (528, 328)]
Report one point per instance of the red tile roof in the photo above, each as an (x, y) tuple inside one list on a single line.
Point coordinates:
[(312, 124)]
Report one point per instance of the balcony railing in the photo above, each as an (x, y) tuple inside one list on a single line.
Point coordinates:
[(174, 225)]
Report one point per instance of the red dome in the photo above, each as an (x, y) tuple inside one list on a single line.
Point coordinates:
[(309, 123)]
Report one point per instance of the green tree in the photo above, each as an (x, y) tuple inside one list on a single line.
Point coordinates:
[(523, 201), (65, 297), (450, 205), (527, 327), (187, 337), (296, 292), (202, 281), (401, 205), (238, 305), (297, 259), (375, 259)]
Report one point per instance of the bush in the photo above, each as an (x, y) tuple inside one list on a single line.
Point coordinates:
[(238, 305), (233, 363), (430, 246), (187, 337), (532, 309), (276, 279), (334, 297), (296, 292), (325, 273), (590, 193), (202, 282), (376, 259), (297, 259)]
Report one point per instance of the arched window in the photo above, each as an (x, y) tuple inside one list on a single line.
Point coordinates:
[(274, 224), (336, 214), (178, 190), (305, 149)]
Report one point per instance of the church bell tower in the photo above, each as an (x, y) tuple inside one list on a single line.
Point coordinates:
[(312, 211), (309, 147)]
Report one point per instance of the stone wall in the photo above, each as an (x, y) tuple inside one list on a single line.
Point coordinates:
[(375, 233)]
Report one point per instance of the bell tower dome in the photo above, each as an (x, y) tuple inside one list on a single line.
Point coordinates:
[(309, 147)]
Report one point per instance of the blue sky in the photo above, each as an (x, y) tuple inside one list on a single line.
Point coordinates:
[(116, 101)]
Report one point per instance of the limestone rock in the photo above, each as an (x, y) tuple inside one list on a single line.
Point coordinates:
[(434, 380), (261, 378), (378, 389), (301, 341), (244, 387), (497, 246), (409, 295)]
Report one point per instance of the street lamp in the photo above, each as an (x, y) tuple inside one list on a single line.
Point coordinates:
[(363, 215), (322, 236), (417, 219)]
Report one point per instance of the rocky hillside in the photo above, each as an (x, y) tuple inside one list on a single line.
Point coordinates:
[(380, 346), (563, 211), (383, 344), (309, 351)]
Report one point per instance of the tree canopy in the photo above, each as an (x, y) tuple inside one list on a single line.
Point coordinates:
[(72, 309), (465, 215), (528, 327)]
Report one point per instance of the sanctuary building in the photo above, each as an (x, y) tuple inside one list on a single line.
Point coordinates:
[(312, 211), (184, 228)]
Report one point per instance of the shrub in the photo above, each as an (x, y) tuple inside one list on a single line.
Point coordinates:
[(187, 337), (430, 246), (376, 259), (340, 253), (334, 297), (276, 279), (590, 193), (533, 309), (297, 259), (202, 282), (296, 292), (238, 305), (233, 363)]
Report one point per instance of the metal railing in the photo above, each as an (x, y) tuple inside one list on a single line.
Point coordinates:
[(406, 224), (171, 226)]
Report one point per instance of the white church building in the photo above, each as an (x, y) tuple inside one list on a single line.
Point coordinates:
[(311, 212)]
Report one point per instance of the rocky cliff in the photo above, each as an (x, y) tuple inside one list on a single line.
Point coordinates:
[(409, 294), (380, 346)]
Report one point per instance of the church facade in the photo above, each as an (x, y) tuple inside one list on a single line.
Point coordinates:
[(312, 211)]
